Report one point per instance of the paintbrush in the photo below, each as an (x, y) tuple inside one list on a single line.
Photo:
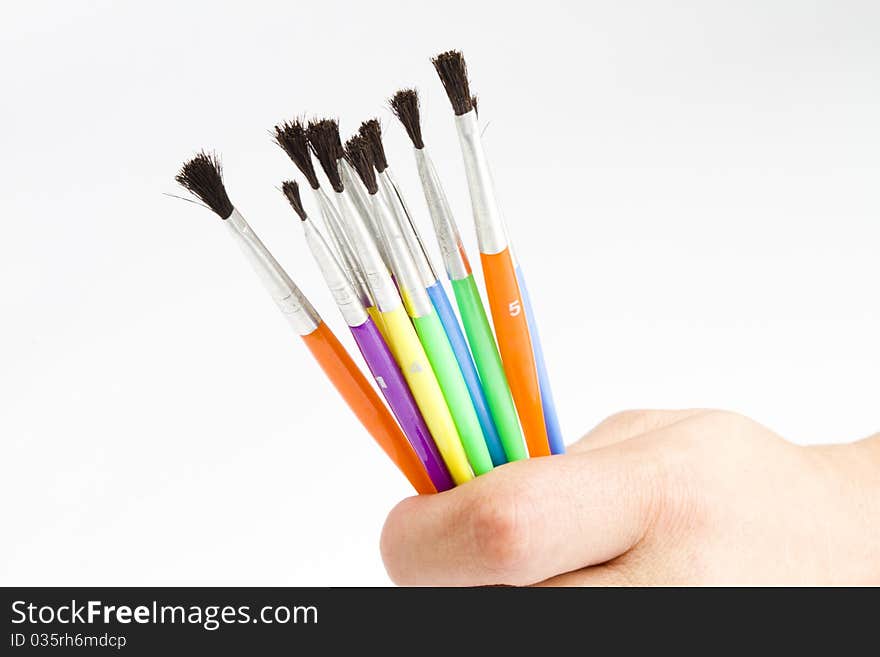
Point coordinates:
[(398, 330), (511, 313), (372, 346), (424, 317), (291, 137), (203, 177), (405, 105), (394, 200)]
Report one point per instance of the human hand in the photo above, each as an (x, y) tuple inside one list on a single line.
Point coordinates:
[(653, 498)]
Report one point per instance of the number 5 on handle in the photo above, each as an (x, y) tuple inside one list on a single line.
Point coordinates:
[(514, 341)]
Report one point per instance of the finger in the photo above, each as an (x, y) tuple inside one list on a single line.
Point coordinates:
[(525, 521), (629, 424)]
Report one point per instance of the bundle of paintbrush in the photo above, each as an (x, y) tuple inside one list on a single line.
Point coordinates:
[(457, 404)]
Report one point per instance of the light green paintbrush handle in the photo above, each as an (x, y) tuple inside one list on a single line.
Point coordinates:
[(455, 392), (488, 361)]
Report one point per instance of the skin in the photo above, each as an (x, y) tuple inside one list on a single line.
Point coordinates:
[(691, 497)]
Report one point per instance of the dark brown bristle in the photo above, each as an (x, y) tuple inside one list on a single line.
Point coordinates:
[(452, 70), (291, 190), (292, 138), (372, 132), (360, 156), (405, 105), (202, 176), (327, 146), (474, 104)]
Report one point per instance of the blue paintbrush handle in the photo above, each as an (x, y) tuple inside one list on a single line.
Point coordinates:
[(468, 371), (551, 420)]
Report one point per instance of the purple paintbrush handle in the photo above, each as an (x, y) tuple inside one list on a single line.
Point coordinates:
[(390, 379)]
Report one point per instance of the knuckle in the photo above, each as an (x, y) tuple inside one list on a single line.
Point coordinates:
[(499, 531), (692, 468), (702, 438), (690, 473), (623, 423), (637, 421), (669, 478), (727, 419), (628, 418)]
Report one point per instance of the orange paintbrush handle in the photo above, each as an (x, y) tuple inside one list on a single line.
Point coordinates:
[(515, 345), (366, 404)]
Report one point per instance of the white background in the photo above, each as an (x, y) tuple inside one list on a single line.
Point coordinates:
[(692, 188)]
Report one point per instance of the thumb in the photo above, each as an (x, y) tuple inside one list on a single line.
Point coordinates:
[(526, 521)]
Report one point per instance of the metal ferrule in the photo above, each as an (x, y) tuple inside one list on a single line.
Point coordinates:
[(395, 202), (352, 308), (451, 248), (360, 200), (293, 303), (491, 235), (415, 297), (343, 248), (373, 267)]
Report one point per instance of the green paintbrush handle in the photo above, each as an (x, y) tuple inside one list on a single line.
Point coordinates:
[(455, 392), (488, 361)]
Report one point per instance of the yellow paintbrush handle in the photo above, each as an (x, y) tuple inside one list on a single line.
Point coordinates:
[(410, 355)]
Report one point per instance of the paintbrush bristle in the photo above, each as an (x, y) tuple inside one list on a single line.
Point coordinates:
[(291, 190), (405, 105), (292, 138), (360, 156), (474, 104), (372, 132), (202, 176), (327, 146), (452, 70)]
